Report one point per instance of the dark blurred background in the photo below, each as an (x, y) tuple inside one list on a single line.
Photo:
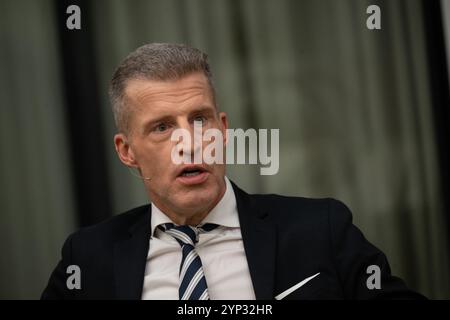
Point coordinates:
[(363, 117)]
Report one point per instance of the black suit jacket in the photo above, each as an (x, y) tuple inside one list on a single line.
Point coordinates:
[(286, 240)]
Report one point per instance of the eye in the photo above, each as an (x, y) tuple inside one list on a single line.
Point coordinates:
[(200, 119), (162, 127)]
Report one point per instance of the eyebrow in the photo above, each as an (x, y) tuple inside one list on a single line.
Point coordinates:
[(200, 110), (203, 109), (150, 123)]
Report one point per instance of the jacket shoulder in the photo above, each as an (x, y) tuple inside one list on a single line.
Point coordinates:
[(114, 227), (301, 207)]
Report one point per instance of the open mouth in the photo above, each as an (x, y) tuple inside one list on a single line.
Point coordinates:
[(192, 175)]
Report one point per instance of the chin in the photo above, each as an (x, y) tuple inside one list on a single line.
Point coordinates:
[(198, 198)]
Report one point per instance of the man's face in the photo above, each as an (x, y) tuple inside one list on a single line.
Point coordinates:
[(157, 108)]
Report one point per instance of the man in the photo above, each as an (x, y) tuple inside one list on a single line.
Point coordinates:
[(202, 237)]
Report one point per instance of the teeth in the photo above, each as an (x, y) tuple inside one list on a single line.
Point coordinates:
[(191, 174)]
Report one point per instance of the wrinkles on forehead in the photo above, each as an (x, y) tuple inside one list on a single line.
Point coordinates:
[(141, 93), (151, 98)]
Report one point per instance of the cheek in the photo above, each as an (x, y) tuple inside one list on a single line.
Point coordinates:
[(157, 157)]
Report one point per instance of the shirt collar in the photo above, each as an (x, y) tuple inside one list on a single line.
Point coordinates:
[(158, 218), (224, 213)]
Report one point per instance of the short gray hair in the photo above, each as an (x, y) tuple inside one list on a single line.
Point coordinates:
[(154, 61)]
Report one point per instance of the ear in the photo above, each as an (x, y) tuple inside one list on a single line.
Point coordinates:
[(124, 151), (224, 124)]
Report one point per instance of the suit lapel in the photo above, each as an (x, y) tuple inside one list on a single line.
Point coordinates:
[(259, 237), (130, 256)]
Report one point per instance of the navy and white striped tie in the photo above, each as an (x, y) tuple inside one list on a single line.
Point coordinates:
[(192, 279)]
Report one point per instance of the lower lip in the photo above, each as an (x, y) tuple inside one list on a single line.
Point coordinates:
[(193, 180)]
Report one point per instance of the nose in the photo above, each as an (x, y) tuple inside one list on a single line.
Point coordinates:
[(190, 148)]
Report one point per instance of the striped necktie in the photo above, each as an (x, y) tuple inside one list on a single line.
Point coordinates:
[(192, 279)]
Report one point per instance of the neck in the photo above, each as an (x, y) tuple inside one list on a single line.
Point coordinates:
[(194, 220), (188, 217)]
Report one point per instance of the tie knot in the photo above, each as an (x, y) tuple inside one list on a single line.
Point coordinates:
[(186, 234)]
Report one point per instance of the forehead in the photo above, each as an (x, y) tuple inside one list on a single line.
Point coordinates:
[(156, 94)]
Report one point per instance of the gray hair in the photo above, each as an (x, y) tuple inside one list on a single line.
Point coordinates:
[(154, 61)]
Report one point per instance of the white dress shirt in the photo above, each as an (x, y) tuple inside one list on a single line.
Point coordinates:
[(221, 252)]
